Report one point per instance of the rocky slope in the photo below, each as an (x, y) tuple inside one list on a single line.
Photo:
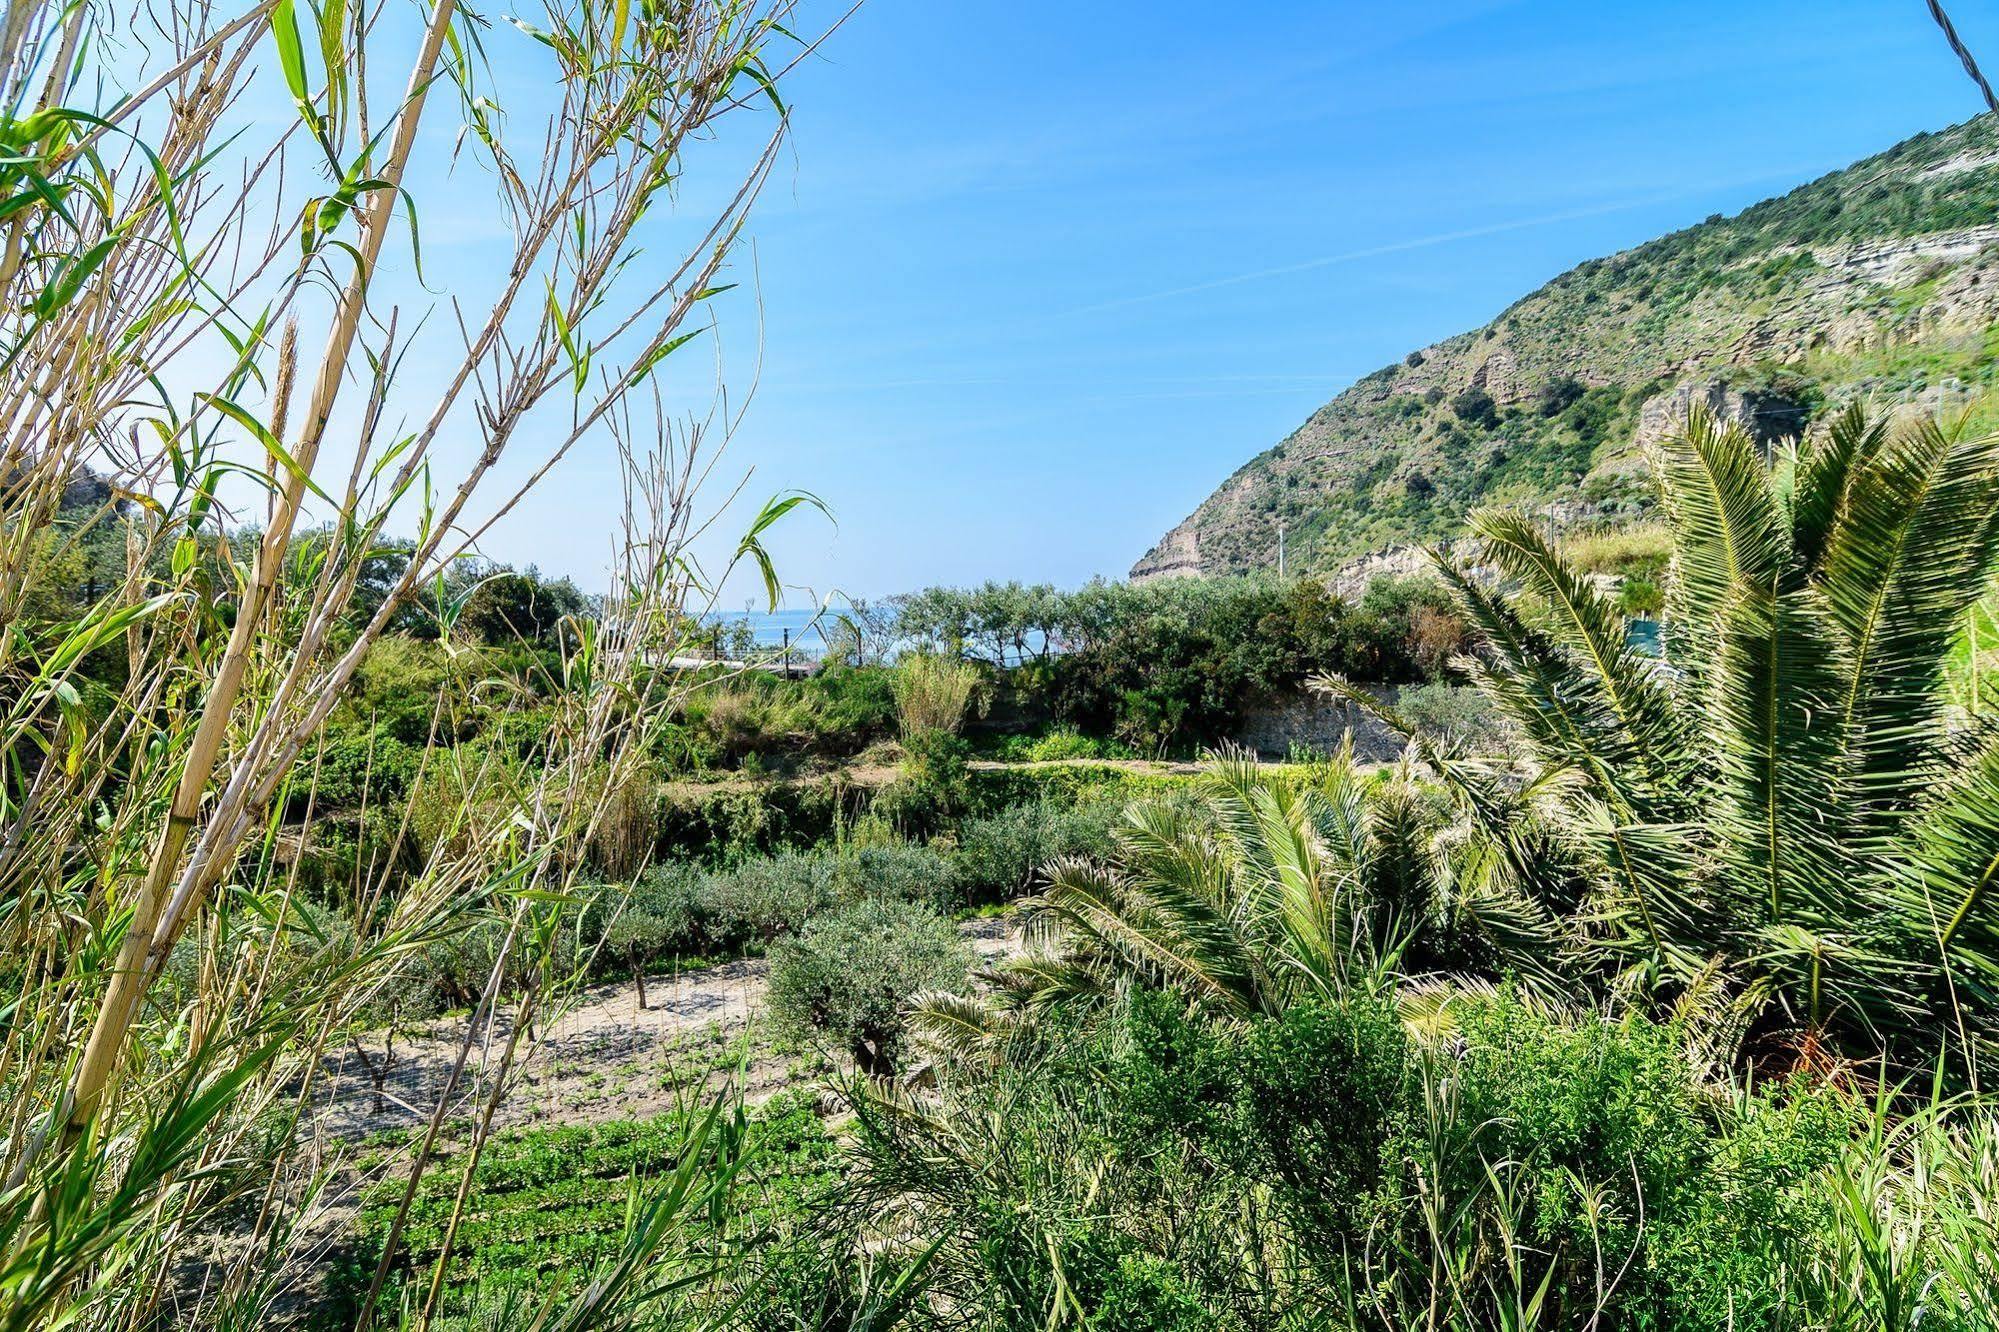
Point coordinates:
[(1881, 279)]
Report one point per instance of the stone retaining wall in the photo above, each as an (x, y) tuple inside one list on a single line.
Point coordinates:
[(1308, 721)]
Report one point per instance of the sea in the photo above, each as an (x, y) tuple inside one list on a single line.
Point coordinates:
[(806, 627)]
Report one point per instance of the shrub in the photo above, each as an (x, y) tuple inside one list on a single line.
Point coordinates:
[(1459, 712), (894, 872), (736, 822), (932, 692), (1476, 408), (860, 704), (759, 901), (352, 767), (1556, 394), (935, 783), (1587, 1136), (998, 856), (1640, 597), (1729, 1258), (683, 910), (849, 975), (1303, 1101), (835, 713)]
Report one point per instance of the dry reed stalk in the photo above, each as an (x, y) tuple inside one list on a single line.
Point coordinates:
[(144, 803)]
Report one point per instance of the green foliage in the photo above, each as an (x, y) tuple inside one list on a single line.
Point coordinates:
[(732, 822), (999, 856), (1787, 824), (932, 692), (680, 910), (1475, 407), (1279, 888), (935, 785), (1379, 1179), (850, 974), (834, 713), (1163, 666), (1306, 1101), (560, 1200), (502, 606), (1063, 742), (1456, 714)]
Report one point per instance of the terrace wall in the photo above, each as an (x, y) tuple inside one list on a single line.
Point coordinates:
[(1308, 721)]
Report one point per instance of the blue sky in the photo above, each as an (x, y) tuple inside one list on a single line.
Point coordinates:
[(1035, 277)]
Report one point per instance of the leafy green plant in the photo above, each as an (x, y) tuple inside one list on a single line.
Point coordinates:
[(1784, 827), (1272, 889), (1000, 856), (850, 975), (932, 692)]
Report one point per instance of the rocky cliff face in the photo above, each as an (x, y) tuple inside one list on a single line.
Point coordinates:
[(1879, 280)]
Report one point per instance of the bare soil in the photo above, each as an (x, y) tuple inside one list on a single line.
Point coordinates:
[(603, 1057)]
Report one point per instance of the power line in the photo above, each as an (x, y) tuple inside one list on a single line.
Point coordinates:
[(1963, 54)]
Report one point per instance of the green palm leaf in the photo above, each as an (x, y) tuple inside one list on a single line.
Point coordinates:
[(1650, 735), (1909, 556), (1780, 752), (1727, 530)]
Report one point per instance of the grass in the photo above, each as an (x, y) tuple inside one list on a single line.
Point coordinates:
[(1640, 549)]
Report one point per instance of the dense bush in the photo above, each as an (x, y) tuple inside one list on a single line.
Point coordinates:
[(935, 785), (1173, 664), (1459, 712), (1475, 407), (1176, 670), (684, 910), (834, 713), (1305, 1102), (849, 975), (729, 823), (1511, 1158), (932, 692), (998, 856)]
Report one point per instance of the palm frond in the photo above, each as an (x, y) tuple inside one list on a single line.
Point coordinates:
[(967, 1028), (1584, 621), (1561, 713), (1910, 554), (1947, 874), (1727, 530), (1823, 468), (1174, 934), (1780, 750)]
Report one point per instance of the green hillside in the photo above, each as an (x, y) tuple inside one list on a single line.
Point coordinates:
[(1881, 279)]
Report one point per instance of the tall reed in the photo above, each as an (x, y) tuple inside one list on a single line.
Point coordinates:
[(206, 356)]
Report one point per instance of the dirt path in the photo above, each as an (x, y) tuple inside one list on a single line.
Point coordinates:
[(871, 775), (604, 1057)]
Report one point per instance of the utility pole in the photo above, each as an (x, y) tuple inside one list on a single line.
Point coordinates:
[(1280, 552)]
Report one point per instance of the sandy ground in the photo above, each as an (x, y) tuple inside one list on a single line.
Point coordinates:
[(602, 1058)]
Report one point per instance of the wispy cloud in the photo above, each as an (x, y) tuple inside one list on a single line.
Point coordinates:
[(1415, 243)]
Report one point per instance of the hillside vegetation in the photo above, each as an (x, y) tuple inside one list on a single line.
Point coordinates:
[(1881, 280)]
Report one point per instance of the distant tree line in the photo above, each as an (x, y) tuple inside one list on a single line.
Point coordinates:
[(1167, 663)]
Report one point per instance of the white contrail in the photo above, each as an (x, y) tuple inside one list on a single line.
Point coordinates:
[(1396, 247)]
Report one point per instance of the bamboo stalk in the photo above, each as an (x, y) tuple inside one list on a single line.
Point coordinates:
[(155, 922)]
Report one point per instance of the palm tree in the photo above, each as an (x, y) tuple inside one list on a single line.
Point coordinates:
[(1274, 888), (1787, 807)]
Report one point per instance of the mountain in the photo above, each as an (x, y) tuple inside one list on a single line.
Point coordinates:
[(1881, 279)]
